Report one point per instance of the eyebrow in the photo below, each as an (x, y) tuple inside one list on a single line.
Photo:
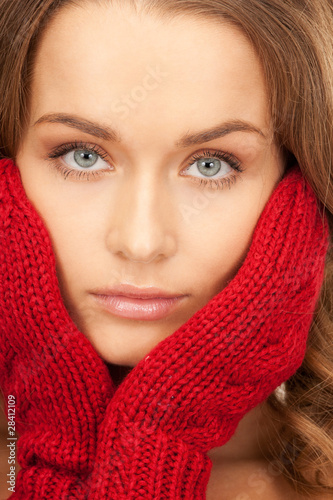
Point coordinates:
[(189, 139)]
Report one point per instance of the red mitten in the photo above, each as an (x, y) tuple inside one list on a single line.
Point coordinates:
[(189, 394), (60, 384)]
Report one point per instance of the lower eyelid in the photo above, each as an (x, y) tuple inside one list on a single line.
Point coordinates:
[(218, 183), (68, 172)]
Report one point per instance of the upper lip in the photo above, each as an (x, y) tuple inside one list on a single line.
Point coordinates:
[(127, 290)]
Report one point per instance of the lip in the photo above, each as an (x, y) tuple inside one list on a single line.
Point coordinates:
[(146, 303)]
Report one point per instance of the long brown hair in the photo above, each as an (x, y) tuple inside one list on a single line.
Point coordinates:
[(294, 40)]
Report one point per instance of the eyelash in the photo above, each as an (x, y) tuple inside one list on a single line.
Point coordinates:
[(219, 183)]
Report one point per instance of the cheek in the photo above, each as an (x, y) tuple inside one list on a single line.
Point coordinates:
[(77, 239), (220, 234), (219, 252)]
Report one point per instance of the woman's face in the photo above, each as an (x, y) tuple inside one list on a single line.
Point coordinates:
[(149, 157)]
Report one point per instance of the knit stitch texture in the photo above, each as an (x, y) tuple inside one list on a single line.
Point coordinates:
[(80, 437)]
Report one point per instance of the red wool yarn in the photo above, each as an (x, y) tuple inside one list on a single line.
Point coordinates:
[(80, 437)]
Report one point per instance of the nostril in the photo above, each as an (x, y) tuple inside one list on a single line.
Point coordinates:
[(141, 244)]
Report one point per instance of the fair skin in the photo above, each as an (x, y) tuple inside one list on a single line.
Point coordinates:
[(143, 218)]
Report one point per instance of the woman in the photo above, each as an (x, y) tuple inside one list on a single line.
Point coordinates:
[(165, 265)]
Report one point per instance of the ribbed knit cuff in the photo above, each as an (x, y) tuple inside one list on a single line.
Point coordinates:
[(45, 483), (151, 467)]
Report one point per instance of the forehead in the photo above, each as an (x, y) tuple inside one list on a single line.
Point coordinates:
[(94, 57)]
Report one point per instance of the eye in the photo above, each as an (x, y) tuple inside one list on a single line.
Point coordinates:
[(84, 159), (80, 161), (213, 168)]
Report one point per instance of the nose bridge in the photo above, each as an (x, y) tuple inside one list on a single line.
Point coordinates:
[(141, 231), (142, 203)]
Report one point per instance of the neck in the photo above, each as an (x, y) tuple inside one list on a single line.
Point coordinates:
[(250, 441), (118, 373)]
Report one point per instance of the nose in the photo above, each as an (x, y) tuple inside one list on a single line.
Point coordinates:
[(142, 228)]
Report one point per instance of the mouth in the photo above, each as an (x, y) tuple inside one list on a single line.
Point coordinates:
[(131, 302)]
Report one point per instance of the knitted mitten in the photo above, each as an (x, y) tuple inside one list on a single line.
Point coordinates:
[(186, 397), (60, 385), (189, 394)]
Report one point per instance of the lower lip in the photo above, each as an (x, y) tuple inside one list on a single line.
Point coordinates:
[(141, 309)]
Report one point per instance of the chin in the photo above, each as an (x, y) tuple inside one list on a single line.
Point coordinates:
[(123, 344), (118, 354)]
